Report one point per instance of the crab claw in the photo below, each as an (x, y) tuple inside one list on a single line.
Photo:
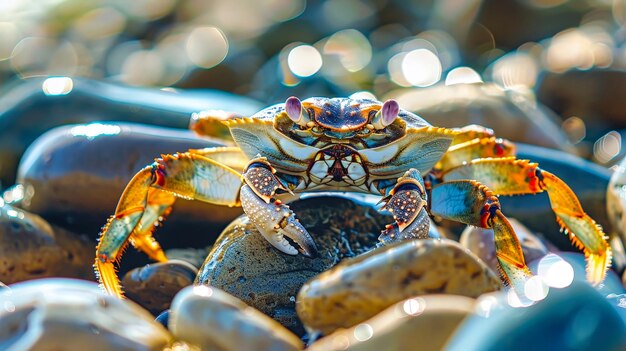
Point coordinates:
[(407, 203), (277, 223)]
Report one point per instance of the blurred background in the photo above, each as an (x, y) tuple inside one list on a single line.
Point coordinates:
[(567, 54)]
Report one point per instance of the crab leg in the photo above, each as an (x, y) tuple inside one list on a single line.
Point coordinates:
[(210, 124), (149, 196), (471, 132), (229, 156), (509, 176), (407, 202), (472, 203), (466, 151), (274, 220)]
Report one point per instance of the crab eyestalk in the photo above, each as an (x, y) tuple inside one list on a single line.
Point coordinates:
[(295, 111), (386, 115)]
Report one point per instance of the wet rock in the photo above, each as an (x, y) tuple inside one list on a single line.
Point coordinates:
[(573, 318), (74, 176), (213, 319), (191, 255), (511, 115), (481, 243), (67, 314), (361, 287), (154, 286), (245, 265), (420, 323), (26, 111), (32, 248)]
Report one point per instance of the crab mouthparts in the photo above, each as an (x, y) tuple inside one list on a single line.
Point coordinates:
[(337, 163)]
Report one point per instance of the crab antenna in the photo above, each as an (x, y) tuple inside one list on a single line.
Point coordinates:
[(386, 115), (293, 107)]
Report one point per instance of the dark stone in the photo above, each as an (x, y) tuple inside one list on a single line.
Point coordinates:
[(245, 265), (26, 112), (154, 286)]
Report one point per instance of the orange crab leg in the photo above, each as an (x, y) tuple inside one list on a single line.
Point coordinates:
[(509, 176), (470, 202), (117, 230), (209, 124), (471, 132), (460, 153), (148, 198)]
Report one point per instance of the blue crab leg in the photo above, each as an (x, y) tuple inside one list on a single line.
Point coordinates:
[(407, 202), (509, 176), (470, 202), (149, 196), (274, 220)]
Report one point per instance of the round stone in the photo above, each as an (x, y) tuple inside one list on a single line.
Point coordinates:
[(32, 248), (245, 265), (153, 286), (361, 287)]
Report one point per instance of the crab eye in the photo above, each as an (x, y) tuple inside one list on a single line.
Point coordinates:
[(293, 107), (386, 115)]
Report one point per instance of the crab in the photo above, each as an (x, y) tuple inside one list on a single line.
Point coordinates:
[(354, 145)]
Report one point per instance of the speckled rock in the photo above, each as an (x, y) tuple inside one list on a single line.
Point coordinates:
[(215, 320), (69, 314), (68, 163), (245, 265), (154, 286), (420, 323), (32, 248), (481, 243), (575, 318), (361, 287)]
